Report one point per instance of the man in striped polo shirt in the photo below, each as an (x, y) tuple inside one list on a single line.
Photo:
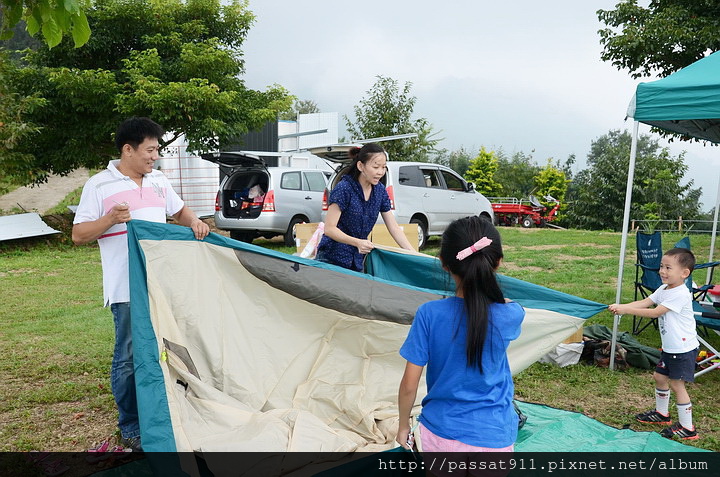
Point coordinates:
[(128, 189)]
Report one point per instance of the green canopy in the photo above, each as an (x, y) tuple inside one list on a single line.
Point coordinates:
[(685, 102)]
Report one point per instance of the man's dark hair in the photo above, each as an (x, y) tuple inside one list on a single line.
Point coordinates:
[(685, 257), (135, 130)]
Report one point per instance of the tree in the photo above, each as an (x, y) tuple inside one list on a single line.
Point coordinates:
[(13, 129), (658, 192), (516, 174), (458, 160), (299, 107), (175, 61), (661, 38), (482, 172), (20, 40), (52, 18), (550, 180), (387, 111)]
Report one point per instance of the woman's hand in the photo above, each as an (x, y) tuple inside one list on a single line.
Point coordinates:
[(365, 246)]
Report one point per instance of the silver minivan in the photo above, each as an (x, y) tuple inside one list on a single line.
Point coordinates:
[(422, 193), (259, 201)]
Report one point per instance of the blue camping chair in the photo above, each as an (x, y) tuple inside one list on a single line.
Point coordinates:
[(647, 278)]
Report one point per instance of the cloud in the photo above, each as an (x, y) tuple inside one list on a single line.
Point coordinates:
[(522, 75)]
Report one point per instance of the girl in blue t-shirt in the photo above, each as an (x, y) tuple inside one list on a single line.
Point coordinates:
[(463, 340), (353, 209)]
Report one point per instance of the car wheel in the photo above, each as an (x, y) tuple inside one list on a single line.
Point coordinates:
[(290, 233), (527, 222), (242, 235), (422, 233)]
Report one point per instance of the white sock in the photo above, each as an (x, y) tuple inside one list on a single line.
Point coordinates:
[(685, 415), (662, 401)]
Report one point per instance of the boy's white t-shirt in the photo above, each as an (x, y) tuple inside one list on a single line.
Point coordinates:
[(677, 325), (154, 201)]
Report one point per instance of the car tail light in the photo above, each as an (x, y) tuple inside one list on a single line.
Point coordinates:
[(325, 200), (391, 194), (218, 205), (269, 203)]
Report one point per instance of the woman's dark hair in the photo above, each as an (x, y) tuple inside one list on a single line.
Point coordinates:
[(135, 130), (362, 154), (477, 276)]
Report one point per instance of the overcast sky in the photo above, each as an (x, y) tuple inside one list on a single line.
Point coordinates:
[(520, 75)]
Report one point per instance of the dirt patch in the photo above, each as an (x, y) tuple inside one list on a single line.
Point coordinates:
[(543, 247), (567, 258), (43, 197), (513, 267), (555, 246)]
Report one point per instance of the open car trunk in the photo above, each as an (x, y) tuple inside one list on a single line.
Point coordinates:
[(248, 181), (244, 195)]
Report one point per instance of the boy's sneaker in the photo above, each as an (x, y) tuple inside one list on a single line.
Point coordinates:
[(677, 430), (132, 443), (653, 417)]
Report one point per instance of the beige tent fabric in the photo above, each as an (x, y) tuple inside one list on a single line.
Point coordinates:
[(278, 373)]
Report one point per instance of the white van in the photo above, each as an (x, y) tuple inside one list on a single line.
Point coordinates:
[(422, 193)]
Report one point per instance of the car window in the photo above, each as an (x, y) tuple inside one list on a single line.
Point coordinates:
[(410, 176), (290, 180), (453, 182), (431, 178), (315, 181)]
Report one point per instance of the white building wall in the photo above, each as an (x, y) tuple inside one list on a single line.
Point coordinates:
[(313, 122), (195, 180)]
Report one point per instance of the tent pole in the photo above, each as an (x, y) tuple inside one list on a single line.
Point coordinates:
[(714, 233), (623, 242)]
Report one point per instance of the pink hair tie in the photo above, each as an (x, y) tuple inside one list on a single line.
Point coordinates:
[(480, 244)]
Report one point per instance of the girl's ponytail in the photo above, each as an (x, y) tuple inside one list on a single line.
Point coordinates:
[(471, 249)]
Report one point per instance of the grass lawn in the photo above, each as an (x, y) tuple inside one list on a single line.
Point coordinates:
[(56, 339)]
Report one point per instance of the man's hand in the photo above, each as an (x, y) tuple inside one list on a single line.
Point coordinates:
[(187, 218), (200, 228), (120, 213)]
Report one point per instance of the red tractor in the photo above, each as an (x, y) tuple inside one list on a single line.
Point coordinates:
[(528, 213)]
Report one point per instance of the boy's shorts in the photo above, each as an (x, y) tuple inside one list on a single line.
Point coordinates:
[(678, 365)]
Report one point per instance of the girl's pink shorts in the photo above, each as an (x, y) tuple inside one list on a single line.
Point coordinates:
[(433, 443)]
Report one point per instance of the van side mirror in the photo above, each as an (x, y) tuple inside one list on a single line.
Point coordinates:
[(470, 186)]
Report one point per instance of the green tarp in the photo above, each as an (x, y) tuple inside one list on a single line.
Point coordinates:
[(555, 430)]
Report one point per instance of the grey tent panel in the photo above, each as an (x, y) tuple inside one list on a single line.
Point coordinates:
[(358, 296), (24, 226)]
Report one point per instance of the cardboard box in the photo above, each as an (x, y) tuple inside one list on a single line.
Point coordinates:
[(378, 235), (381, 236), (576, 337), (303, 232)]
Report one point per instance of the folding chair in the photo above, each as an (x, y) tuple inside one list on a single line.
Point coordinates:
[(647, 278)]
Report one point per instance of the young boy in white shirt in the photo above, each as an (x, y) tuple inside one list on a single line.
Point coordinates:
[(680, 345)]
